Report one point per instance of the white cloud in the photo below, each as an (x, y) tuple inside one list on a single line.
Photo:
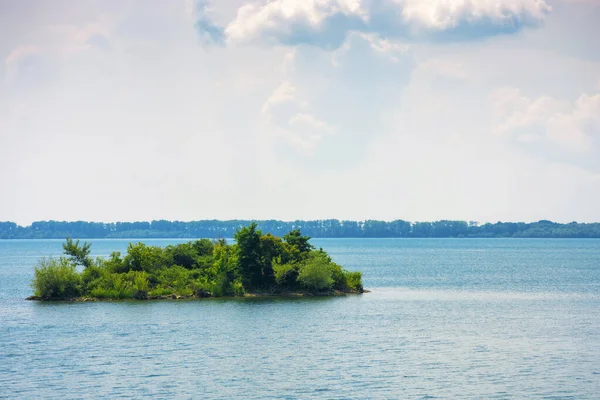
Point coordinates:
[(309, 121), (514, 111), (440, 15), (326, 23), (562, 130), (289, 117), (384, 47)]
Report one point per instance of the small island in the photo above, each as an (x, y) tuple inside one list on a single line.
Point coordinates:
[(256, 265)]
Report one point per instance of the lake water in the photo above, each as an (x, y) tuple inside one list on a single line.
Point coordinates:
[(446, 319)]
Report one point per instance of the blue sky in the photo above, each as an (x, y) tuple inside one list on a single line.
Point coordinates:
[(300, 109)]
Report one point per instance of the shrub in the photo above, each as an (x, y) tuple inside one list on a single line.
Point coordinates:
[(315, 273), (337, 274), (56, 279), (114, 286), (238, 288), (102, 293), (220, 286), (140, 280), (286, 275), (92, 277), (177, 279), (353, 280), (225, 285)]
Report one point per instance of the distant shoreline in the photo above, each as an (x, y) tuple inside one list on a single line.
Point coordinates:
[(330, 228)]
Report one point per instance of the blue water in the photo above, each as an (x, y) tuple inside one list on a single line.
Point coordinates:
[(446, 319)]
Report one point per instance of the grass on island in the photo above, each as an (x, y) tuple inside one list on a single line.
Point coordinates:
[(256, 263)]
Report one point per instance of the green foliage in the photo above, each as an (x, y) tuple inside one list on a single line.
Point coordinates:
[(143, 258), (80, 255), (238, 288), (298, 245), (353, 280), (316, 272), (200, 268), (286, 275), (56, 279), (337, 274), (221, 286), (140, 280), (249, 261), (160, 291), (93, 276), (225, 260), (271, 248), (114, 263), (203, 247), (118, 286), (183, 254), (177, 279)]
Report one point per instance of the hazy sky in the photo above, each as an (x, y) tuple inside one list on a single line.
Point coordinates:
[(300, 109)]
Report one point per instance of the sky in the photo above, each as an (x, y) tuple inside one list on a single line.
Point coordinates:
[(300, 109)]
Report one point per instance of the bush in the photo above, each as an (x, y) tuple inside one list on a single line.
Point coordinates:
[(238, 288), (353, 280), (140, 280), (337, 274), (220, 286), (91, 277), (315, 273), (176, 278), (56, 279), (114, 286), (286, 275)]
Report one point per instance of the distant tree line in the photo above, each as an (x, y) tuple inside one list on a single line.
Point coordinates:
[(328, 228)]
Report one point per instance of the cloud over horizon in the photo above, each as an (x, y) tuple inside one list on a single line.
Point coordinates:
[(327, 23), (560, 130)]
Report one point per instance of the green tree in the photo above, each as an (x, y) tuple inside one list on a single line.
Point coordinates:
[(249, 258), (299, 245), (80, 255), (143, 258), (271, 248), (183, 254)]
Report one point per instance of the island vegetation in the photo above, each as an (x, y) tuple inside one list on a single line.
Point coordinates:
[(256, 264), (328, 228)]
